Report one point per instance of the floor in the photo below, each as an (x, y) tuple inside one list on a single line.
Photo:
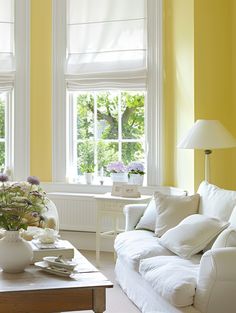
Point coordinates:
[(117, 301)]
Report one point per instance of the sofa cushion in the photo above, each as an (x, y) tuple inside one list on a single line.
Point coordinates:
[(134, 245), (215, 201), (226, 239), (173, 209), (192, 235), (172, 277), (148, 220)]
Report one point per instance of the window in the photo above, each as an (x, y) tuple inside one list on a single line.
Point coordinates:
[(107, 49), (109, 127), (112, 59), (14, 85)]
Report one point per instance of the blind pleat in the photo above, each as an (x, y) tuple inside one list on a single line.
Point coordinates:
[(106, 46), (6, 82), (100, 81)]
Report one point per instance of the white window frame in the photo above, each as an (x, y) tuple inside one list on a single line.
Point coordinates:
[(62, 117), (17, 101)]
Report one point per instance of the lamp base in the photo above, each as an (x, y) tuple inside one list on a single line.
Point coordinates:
[(207, 164)]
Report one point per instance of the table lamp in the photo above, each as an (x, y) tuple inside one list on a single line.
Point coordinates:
[(207, 135)]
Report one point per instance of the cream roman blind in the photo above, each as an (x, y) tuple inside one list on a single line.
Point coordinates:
[(106, 44), (7, 62)]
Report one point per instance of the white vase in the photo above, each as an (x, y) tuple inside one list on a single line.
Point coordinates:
[(119, 177), (88, 178), (15, 253), (136, 179)]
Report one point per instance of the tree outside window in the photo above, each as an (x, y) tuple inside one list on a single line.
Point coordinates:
[(110, 127)]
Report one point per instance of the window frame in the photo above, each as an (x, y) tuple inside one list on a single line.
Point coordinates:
[(63, 115)]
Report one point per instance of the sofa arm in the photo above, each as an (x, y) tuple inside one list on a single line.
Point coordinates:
[(133, 213), (216, 286)]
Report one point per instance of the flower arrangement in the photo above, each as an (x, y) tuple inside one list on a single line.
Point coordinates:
[(116, 167), (136, 168), (21, 203)]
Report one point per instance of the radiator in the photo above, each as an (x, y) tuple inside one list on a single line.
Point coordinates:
[(77, 212)]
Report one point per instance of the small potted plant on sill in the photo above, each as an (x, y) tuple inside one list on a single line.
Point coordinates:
[(136, 173), (88, 171), (118, 171)]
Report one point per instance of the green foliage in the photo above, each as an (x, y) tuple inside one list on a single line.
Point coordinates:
[(132, 121), (85, 160)]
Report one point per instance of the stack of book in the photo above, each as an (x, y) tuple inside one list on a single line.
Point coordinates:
[(60, 247)]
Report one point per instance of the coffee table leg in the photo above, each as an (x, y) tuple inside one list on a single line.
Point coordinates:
[(99, 300)]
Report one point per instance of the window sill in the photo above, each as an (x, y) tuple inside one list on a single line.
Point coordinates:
[(80, 188)]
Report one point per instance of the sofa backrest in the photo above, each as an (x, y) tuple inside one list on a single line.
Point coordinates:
[(215, 201)]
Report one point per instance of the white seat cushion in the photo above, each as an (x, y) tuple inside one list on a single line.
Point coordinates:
[(132, 246), (171, 277), (216, 202)]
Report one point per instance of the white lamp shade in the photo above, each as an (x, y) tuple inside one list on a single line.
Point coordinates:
[(207, 135)]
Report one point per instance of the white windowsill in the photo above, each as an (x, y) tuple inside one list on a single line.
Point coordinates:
[(89, 190)]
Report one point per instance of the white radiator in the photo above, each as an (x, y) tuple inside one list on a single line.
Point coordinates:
[(77, 212)]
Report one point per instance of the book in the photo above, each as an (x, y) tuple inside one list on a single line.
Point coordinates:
[(61, 247)]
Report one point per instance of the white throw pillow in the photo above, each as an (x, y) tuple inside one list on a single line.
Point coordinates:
[(192, 234), (215, 201), (173, 278), (226, 239), (173, 209), (148, 220)]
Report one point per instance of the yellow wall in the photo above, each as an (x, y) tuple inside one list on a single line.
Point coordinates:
[(178, 90), (213, 81), (233, 85), (41, 89), (205, 30)]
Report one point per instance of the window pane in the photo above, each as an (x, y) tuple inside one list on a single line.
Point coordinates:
[(85, 115), (132, 108), (132, 151), (107, 114), (107, 152), (85, 160), (2, 118), (2, 155)]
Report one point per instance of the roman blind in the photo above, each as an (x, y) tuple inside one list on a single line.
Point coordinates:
[(106, 44), (7, 63)]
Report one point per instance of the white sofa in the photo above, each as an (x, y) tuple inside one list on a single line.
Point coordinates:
[(138, 252)]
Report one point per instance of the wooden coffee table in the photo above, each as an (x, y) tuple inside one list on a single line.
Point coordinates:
[(35, 291)]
